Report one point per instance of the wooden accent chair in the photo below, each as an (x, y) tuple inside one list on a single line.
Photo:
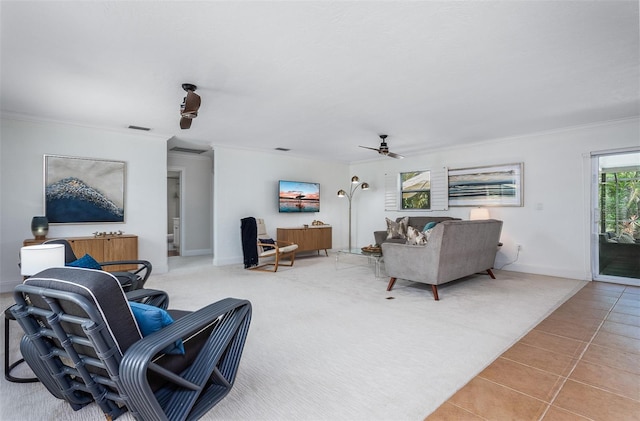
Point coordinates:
[(273, 253)]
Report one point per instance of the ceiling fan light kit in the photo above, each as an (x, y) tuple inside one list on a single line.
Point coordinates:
[(384, 148), (190, 105)]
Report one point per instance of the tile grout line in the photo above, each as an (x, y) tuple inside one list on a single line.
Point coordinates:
[(577, 361)]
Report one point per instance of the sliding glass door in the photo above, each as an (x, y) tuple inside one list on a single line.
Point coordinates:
[(616, 216)]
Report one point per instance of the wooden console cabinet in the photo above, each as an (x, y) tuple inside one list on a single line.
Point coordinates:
[(103, 249), (308, 239)]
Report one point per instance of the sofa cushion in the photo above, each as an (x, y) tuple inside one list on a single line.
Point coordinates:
[(429, 225), (626, 238), (86, 262), (397, 230), (151, 319), (266, 241), (415, 237)]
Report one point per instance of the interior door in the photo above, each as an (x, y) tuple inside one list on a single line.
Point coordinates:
[(616, 216)]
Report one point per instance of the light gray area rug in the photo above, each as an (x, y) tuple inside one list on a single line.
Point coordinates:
[(328, 342)]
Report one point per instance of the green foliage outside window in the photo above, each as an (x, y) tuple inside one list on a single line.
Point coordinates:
[(416, 190), (620, 202)]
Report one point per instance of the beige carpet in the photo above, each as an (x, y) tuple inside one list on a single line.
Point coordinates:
[(327, 342)]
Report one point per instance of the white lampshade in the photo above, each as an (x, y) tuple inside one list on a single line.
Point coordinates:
[(34, 259), (479, 213)]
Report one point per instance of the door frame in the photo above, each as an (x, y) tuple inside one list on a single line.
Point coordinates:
[(180, 171), (595, 218)]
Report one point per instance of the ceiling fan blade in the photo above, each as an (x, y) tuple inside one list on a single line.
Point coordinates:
[(191, 103), (373, 149), (185, 123), (394, 155)]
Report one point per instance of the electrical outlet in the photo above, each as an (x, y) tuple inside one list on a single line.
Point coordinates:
[(519, 247)]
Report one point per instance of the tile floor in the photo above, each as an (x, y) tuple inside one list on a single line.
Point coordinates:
[(580, 363)]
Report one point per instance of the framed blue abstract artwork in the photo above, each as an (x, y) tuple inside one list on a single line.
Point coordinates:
[(83, 190)]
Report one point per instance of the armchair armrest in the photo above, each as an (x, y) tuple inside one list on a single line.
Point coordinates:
[(144, 265), (152, 297), (192, 391)]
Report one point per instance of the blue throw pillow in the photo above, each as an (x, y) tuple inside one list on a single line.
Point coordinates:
[(151, 319), (428, 226), (267, 241), (86, 262)]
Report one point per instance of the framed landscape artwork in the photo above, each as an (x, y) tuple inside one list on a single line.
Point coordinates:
[(83, 190), (498, 185)]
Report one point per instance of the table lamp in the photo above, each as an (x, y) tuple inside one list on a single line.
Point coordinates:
[(34, 259), (40, 227), (478, 214)]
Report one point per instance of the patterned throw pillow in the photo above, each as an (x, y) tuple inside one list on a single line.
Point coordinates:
[(416, 237), (397, 230)]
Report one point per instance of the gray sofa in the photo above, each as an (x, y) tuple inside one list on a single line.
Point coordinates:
[(455, 249), (418, 222)]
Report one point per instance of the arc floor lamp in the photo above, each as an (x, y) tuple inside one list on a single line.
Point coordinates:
[(355, 183)]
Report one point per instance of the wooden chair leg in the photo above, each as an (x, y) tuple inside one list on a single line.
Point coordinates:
[(392, 281), (434, 289), (490, 272)]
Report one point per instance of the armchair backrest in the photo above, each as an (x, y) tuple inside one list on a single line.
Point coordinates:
[(69, 255), (262, 233), (262, 228)]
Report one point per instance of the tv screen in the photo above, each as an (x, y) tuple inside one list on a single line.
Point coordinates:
[(298, 196)]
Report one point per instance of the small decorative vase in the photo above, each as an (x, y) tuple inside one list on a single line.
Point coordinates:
[(40, 227)]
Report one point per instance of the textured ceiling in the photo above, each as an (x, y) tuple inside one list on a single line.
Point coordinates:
[(322, 77)]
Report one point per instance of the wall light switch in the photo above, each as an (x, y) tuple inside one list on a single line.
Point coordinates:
[(539, 206)]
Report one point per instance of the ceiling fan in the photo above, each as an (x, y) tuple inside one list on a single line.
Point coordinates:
[(190, 105), (384, 148)]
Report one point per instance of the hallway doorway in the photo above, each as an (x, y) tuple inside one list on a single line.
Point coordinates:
[(616, 217), (174, 208)]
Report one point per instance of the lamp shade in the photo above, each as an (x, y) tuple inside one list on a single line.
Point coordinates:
[(34, 259), (39, 227), (479, 213)]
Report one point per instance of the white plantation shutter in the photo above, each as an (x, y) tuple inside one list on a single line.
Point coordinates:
[(391, 192), (440, 189)]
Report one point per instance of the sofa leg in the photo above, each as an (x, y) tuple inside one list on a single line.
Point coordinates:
[(434, 289), (392, 281), (490, 272)]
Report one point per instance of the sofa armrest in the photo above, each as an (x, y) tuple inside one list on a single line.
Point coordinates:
[(379, 236), (414, 263)]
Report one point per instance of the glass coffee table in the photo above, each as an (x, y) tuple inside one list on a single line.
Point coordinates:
[(374, 257)]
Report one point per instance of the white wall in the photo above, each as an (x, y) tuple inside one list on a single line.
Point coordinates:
[(553, 226), (195, 219), (555, 238), (246, 184), (22, 146)]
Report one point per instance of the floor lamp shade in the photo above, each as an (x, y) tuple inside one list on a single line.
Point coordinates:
[(34, 259)]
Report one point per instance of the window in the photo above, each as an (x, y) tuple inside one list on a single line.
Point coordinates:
[(620, 201), (415, 190)]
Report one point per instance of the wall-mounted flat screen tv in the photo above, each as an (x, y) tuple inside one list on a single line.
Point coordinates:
[(298, 196)]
